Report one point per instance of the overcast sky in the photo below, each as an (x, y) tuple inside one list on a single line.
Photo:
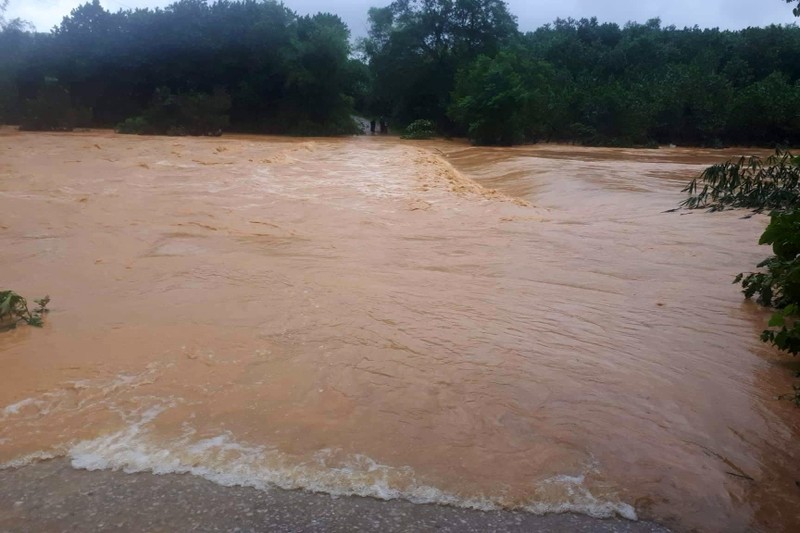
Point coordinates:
[(731, 14)]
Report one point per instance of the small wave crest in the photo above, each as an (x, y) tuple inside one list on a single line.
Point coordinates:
[(438, 171)]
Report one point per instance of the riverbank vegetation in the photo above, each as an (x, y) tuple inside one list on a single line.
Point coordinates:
[(194, 67), (420, 130), (466, 66), (771, 184), (200, 67)]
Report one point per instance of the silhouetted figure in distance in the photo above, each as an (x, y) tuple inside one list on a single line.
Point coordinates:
[(372, 126)]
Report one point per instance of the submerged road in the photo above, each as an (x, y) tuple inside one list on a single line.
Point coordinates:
[(485, 329)]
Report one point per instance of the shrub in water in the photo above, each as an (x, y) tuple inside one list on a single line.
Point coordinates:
[(52, 110), (133, 125), (420, 129), (182, 114)]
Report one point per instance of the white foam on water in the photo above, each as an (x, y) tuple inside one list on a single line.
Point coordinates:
[(578, 499), (84, 392), (223, 460), (15, 408), (30, 458), (34, 407)]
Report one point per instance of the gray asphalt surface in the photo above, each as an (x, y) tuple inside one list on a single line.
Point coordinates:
[(52, 496)]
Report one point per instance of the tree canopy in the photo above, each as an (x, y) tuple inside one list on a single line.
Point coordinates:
[(582, 80), (416, 47), (283, 73), (463, 65)]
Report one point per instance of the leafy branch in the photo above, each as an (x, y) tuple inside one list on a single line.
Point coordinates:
[(778, 285), (14, 309), (771, 183), (759, 184)]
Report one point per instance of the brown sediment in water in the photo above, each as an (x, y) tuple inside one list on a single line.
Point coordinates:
[(367, 316)]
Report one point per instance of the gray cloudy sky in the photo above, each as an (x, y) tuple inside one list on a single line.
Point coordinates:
[(731, 14)]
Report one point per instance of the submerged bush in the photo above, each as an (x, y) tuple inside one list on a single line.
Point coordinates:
[(420, 129), (751, 182), (338, 124), (133, 125), (14, 309), (181, 114), (52, 110)]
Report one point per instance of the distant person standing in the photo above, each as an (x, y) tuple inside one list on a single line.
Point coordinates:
[(372, 126), (384, 129)]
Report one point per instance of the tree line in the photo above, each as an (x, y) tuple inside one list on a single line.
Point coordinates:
[(465, 65), (199, 67), (192, 67)]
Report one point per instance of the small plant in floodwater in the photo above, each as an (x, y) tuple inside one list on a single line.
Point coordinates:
[(793, 396), (14, 309), (420, 130), (753, 182)]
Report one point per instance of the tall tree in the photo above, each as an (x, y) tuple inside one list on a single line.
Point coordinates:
[(416, 47)]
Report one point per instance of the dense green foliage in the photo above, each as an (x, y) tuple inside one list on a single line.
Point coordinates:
[(462, 64), (281, 73), (778, 285), (416, 47), (14, 309), (420, 129), (490, 100), (183, 114), (52, 110), (764, 184)]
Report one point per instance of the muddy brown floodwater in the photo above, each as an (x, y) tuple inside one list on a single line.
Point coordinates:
[(493, 328)]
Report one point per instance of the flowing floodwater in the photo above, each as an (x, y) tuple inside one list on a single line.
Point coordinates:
[(520, 328)]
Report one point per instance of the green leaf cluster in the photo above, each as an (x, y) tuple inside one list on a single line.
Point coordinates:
[(771, 183), (778, 285), (489, 99), (14, 309), (420, 129)]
